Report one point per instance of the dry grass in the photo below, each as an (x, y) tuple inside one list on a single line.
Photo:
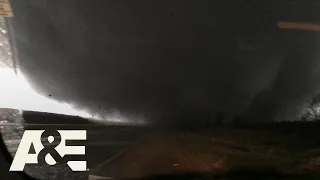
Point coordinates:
[(245, 148), (216, 152)]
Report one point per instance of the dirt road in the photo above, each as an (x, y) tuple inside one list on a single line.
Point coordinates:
[(184, 152)]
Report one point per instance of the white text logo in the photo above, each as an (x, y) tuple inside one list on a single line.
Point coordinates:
[(50, 148)]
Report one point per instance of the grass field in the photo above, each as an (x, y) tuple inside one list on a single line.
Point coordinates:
[(219, 151)]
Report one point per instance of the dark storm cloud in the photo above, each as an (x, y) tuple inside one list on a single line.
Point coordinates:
[(167, 59)]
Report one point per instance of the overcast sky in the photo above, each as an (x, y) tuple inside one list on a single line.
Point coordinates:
[(169, 59)]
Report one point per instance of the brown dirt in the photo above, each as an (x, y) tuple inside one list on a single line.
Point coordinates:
[(188, 152)]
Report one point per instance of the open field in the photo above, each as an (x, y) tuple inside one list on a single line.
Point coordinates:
[(288, 150), (218, 152)]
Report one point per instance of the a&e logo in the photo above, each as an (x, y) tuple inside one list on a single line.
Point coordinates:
[(50, 148)]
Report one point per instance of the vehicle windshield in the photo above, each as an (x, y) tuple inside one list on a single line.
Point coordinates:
[(141, 89)]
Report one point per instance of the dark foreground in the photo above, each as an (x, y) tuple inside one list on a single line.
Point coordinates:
[(225, 153), (260, 151), (102, 142)]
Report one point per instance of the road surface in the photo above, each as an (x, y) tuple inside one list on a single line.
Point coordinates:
[(102, 143)]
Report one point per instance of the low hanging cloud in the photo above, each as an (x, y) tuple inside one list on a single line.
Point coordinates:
[(168, 60)]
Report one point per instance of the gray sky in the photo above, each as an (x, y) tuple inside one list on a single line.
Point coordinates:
[(169, 59)]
